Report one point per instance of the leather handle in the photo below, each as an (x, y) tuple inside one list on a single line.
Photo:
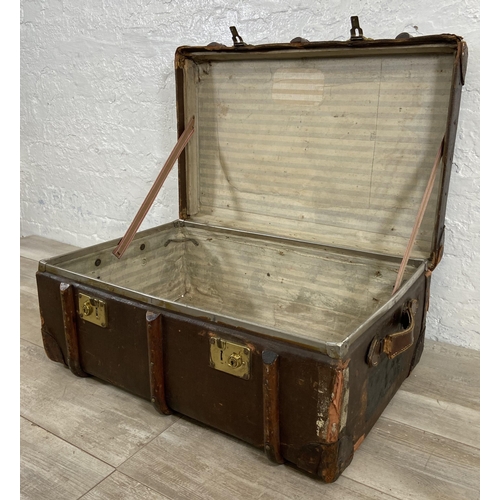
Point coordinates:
[(395, 343)]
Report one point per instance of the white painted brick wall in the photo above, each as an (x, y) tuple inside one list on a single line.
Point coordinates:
[(98, 114)]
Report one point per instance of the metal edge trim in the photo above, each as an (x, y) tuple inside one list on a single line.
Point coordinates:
[(340, 349)]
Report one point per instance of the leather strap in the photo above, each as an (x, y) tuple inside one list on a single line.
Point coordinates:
[(418, 220), (153, 193)]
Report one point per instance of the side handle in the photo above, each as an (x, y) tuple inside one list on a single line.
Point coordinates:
[(396, 343)]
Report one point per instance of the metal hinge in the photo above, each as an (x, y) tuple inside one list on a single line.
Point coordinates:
[(437, 255), (356, 31), (237, 40)]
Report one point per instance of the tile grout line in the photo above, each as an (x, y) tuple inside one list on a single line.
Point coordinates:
[(97, 484), (430, 432), (30, 342), (92, 455), (315, 479), (145, 485), (179, 417), (431, 398), (371, 487), (448, 400), (419, 472), (67, 442), (34, 294)]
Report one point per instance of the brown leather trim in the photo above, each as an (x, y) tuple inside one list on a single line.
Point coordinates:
[(399, 342), (156, 365), (271, 406)]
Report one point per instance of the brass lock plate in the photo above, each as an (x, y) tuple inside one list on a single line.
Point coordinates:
[(92, 310), (229, 357)]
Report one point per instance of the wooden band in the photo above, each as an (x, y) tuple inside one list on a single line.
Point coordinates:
[(156, 365), (271, 406), (70, 329)]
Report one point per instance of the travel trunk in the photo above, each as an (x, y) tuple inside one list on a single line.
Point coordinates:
[(267, 310)]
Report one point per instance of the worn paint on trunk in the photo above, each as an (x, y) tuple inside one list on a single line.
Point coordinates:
[(336, 406)]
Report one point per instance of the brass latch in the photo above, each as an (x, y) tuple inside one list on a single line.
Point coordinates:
[(92, 310), (230, 358)]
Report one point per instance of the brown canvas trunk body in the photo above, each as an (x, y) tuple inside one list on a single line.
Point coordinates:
[(266, 310)]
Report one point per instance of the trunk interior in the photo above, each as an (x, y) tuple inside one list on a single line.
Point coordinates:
[(311, 290)]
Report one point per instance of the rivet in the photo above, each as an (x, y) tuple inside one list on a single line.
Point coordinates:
[(153, 400), (152, 363)]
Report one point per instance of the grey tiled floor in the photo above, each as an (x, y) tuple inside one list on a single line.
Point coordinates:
[(82, 438)]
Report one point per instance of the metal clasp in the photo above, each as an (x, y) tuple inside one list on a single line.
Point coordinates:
[(92, 310), (356, 31), (229, 357), (237, 40)]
